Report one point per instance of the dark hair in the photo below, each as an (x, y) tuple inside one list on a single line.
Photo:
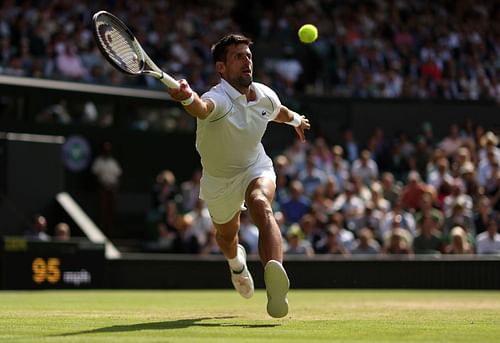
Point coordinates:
[(219, 49)]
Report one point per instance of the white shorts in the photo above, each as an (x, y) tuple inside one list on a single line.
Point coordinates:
[(225, 196)]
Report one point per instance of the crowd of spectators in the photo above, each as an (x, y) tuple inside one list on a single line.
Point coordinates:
[(404, 196), (378, 48), (407, 195)]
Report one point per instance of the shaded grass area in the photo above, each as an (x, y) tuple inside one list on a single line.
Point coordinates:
[(223, 316)]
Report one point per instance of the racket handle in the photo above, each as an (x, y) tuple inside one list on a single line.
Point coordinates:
[(169, 81)]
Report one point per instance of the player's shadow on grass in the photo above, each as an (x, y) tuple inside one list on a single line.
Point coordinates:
[(169, 325)]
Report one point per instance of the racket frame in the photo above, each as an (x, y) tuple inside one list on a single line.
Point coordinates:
[(144, 59)]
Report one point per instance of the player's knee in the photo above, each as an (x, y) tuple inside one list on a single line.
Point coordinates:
[(258, 200)]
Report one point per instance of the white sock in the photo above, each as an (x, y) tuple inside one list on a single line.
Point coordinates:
[(237, 263)]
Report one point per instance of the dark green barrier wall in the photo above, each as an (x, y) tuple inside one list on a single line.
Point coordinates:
[(199, 272)]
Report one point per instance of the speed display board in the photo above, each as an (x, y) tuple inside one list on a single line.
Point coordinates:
[(29, 264)]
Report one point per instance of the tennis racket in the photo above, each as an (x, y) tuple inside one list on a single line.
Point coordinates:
[(120, 47)]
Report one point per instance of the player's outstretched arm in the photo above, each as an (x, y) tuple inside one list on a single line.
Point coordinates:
[(192, 103), (299, 122)]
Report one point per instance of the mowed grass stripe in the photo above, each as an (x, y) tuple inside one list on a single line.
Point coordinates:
[(223, 316)]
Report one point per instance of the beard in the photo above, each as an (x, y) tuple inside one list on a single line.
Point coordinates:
[(244, 80)]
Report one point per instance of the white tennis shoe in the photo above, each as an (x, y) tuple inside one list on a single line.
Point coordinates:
[(242, 281), (277, 286)]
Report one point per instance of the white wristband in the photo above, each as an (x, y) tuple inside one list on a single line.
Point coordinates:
[(188, 101), (296, 121)]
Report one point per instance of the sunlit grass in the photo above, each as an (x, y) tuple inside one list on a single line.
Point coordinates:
[(223, 316)]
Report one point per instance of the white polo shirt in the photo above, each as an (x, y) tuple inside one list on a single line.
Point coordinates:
[(229, 139)]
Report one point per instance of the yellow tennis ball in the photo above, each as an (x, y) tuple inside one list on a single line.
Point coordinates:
[(308, 33)]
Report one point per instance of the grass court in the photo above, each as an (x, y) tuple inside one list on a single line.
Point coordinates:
[(223, 316)]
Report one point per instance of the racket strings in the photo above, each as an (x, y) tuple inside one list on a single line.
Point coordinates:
[(119, 47)]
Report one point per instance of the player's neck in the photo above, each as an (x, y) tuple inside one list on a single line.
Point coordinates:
[(248, 92)]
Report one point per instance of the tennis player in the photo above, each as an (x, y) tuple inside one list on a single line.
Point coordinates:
[(231, 120)]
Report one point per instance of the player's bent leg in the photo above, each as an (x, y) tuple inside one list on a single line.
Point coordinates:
[(277, 286), (259, 196)]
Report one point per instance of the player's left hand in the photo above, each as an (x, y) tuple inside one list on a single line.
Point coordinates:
[(304, 125)]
